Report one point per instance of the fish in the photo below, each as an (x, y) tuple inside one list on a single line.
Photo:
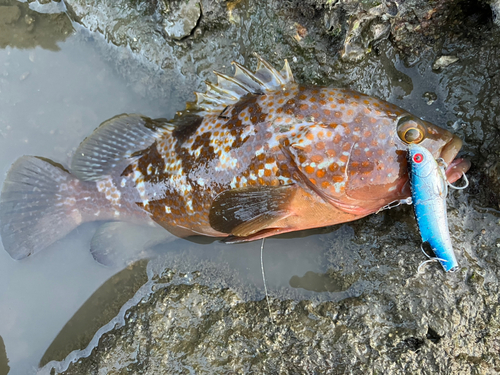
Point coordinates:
[(429, 189), (255, 155)]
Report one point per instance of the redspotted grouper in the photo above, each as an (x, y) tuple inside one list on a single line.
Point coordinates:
[(256, 155)]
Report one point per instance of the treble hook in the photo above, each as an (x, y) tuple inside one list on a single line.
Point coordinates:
[(460, 187), (430, 260)]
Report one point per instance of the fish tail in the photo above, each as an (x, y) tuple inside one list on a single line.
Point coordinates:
[(36, 206)]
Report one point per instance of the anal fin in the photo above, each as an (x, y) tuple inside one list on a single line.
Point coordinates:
[(117, 244)]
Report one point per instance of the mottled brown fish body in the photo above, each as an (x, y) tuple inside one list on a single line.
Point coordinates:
[(337, 150), (255, 155)]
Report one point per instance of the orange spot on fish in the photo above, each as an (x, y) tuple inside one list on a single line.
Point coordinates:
[(346, 146), (350, 112), (338, 178), (373, 120), (367, 134), (338, 114), (310, 136), (309, 169), (302, 97), (343, 158), (326, 112), (325, 184), (337, 138), (333, 106), (322, 102), (317, 158), (331, 153), (313, 181), (320, 145), (333, 167), (312, 100), (320, 173), (341, 101)]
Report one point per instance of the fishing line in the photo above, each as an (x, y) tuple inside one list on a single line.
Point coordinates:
[(264, 277)]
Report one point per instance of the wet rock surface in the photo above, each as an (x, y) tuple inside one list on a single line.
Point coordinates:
[(369, 312)]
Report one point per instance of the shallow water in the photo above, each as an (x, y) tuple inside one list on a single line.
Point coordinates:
[(49, 101)]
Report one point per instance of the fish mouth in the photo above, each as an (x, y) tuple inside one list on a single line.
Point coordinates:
[(456, 167)]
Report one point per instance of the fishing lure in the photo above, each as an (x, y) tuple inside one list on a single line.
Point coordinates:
[(429, 188)]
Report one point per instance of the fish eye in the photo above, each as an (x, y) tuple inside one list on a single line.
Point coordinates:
[(411, 130)]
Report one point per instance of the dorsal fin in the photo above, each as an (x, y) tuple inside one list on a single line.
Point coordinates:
[(114, 143), (228, 90)]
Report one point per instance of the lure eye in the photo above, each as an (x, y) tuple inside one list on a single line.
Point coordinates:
[(411, 130), (418, 158)]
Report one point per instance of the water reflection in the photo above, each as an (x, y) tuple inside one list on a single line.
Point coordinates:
[(4, 361), (102, 306), (21, 27)]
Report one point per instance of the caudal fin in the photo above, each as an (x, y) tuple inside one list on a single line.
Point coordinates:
[(35, 208)]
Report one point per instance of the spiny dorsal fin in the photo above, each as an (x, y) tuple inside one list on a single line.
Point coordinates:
[(114, 143), (229, 90)]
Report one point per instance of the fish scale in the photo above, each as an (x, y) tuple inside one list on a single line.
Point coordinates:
[(255, 155)]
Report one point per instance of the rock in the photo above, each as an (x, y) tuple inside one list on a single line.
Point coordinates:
[(181, 18), (444, 61), (211, 330)]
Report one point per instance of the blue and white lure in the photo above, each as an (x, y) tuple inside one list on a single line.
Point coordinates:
[(429, 188)]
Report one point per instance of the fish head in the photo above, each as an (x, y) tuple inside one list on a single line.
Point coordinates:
[(355, 154)]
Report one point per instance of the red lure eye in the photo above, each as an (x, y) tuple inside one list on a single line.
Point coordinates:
[(418, 158)]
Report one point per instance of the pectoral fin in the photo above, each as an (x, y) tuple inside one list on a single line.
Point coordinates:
[(245, 211)]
